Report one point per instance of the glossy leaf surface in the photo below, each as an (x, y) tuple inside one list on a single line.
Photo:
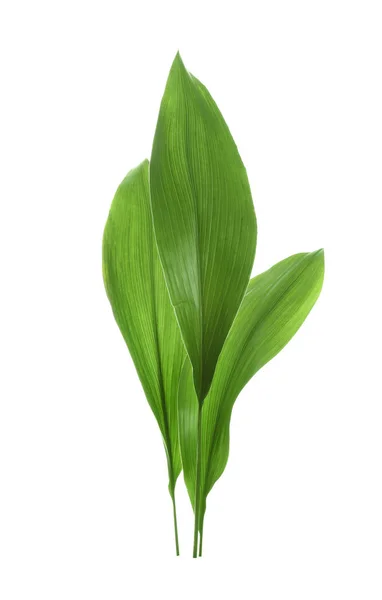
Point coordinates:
[(203, 216)]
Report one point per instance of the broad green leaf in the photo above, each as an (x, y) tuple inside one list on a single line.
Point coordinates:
[(138, 295), (204, 219), (276, 304)]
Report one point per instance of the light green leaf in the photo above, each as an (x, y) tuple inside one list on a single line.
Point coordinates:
[(138, 295), (203, 216), (188, 411), (276, 304)]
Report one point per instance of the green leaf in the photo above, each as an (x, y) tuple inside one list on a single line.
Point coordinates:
[(138, 295), (204, 219), (188, 411), (276, 304)]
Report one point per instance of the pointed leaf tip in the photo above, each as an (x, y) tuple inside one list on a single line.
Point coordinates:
[(178, 59), (319, 252), (178, 66)]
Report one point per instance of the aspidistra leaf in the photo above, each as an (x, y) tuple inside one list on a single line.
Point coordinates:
[(203, 217), (138, 295), (276, 304)]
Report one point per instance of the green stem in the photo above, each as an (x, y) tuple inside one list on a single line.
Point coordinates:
[(197, 482), (201, 528), (175, 524)]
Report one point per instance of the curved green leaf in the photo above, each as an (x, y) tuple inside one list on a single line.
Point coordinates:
[(276, 304), (204, 219), (138, 295)]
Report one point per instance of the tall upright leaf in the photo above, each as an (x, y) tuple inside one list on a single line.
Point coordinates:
[(276, 304), (138, 295), (204, 223), (204, 219)]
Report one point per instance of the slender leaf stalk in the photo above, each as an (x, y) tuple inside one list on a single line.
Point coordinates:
[(171, 488), (175, 524), (197, 482), (201, 525)]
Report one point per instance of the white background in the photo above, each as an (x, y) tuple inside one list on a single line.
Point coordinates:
[(84, 508)]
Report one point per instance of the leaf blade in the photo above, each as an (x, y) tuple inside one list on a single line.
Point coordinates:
[(277, 304), (203, 216), (188, 409), (274, 308), (139, 299)]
